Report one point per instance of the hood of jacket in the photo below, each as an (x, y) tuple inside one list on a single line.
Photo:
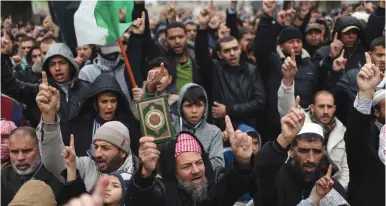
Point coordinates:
[(246, 128), (181, 120), (327, 33), (60, 49), (104, 83), (345, 21), (167, 163), (34, 192)]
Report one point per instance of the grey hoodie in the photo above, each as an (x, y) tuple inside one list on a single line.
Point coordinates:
[(208, 134), (51, 146)]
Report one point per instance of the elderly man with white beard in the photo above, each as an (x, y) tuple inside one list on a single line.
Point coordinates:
[(26, 165), (187, 174)]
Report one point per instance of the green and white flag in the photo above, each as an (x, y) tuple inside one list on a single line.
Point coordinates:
[(102, 22)]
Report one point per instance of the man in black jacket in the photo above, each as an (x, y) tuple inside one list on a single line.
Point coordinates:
[(367, 170), (177, 51), (277, 60), (234, 86), (26, 165), (61, 70), (350, 37), (187, 180)]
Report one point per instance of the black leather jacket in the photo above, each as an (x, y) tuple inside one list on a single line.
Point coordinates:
[(239, 88)]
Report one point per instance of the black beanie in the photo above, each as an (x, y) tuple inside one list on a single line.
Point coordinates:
[(289, 33)]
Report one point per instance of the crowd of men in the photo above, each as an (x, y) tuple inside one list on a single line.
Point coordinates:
[(282, 107)]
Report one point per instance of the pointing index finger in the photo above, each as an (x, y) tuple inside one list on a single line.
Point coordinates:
[(44, 78), (100, 191), (72, 144), (336, 36), (229, 126), (297, 102), (143, 17), (293, 55), (342, 53), (368, 58), (329, 171)]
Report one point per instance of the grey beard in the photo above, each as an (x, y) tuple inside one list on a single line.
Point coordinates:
[(30, 170), (198, 194)]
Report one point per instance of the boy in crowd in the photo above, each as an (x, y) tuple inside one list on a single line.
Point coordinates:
[(158, 81), (192, 110)]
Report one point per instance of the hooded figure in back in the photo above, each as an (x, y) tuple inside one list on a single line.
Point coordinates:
[(62, 73), (104, 101), (192, 109)]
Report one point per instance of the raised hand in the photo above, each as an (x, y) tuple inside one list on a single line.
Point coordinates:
[(44, 78), (171, 13), (97, 197), (69, 157), (323, 187), (336, 47), (204, 18), (269, 6), (291, 124), (48, 100), (214, 22), (148, 154), (5, 42), (153, 78), (369, 76), (138, 26), (241, 143), (281, 15), (137, 93), (289, 69), (339, 63), (211, 6), (223, 31)]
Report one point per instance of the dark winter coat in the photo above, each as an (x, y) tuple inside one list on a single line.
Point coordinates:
[(282, 187), (367, 171), (86, 115), (355, 59), (165, 191), (240, 88), (270, 58), (11, 182)]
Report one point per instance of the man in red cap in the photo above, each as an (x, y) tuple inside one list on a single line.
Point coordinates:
[(187, 174)]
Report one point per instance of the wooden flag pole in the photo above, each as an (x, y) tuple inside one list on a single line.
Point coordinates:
[(131, 76)]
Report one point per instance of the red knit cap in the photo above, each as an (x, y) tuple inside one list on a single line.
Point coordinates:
[(7, 127), (186, 143)]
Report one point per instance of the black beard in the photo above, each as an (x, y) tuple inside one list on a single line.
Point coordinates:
[(298, 171)]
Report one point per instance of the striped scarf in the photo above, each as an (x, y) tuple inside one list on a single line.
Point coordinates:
[(327, 128)]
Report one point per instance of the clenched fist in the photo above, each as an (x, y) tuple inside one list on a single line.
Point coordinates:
[(148, 154)]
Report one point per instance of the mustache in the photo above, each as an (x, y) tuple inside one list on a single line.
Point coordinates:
[(309, 165), (22, 163)]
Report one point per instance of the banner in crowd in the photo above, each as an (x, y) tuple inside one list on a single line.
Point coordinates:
[(102, 22)]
